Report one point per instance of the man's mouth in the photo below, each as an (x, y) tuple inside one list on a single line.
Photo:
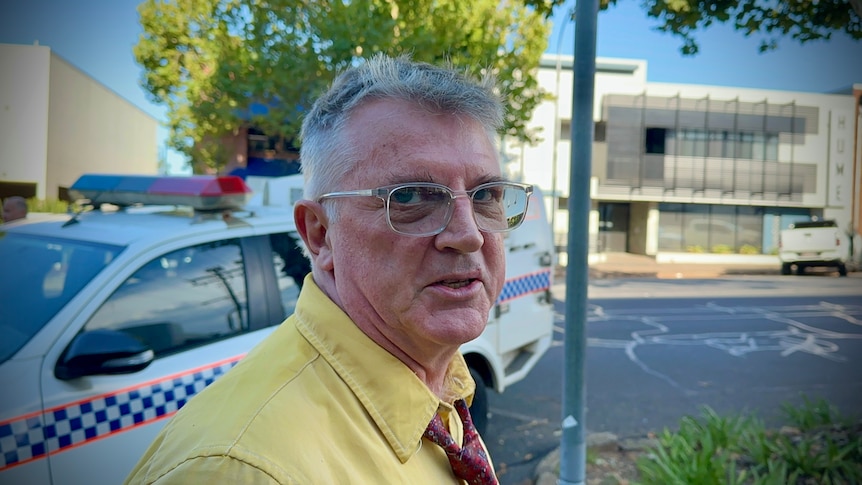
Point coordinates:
[(455, 284)]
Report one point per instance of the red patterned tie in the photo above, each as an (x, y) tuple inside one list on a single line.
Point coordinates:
[(469, 462)]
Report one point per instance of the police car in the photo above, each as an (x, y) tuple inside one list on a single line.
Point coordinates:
[(114, 317)]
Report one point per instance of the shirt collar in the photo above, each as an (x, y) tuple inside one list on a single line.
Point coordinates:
[(374, 375)]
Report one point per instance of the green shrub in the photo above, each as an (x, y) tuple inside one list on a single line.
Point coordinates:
[(47, 205), (694, 249), (813, 414), (823, 447), (749, 249), (722, 249), (702, 451)]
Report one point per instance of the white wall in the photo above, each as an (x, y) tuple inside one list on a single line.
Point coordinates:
[(57, 123), (24, 72), (93, 129)]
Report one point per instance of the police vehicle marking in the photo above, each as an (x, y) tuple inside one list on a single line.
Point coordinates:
[(524, 285), (31, 437)]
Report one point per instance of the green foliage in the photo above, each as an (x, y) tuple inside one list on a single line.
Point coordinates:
[(208, 62), (749, 249), (47, 205), (722, 249), (702, 451), (695, 249), (802, 21), (826, 448), (812, 414)]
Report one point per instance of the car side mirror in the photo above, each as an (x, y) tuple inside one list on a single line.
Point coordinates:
[(103, 352)]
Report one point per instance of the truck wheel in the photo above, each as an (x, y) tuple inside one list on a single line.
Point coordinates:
[(842, 270), (785, 268), (479, 408)]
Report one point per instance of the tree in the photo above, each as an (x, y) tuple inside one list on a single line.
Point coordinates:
[(801, 20), (227, 64)]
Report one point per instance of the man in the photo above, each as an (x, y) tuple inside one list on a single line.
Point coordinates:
[(403, 218), (14, 208)]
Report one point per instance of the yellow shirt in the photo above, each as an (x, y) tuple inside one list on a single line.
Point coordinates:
[(317, 402)]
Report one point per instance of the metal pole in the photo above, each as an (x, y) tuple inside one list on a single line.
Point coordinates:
[(573, 449)]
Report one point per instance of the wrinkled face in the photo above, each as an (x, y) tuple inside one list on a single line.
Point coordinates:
[(419, 293)]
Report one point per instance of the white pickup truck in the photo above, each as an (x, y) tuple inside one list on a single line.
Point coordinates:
[(812, 244)]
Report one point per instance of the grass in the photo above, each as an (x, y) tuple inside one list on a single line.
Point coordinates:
[(819, 446)]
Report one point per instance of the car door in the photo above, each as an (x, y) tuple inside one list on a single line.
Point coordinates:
[(192, 308)]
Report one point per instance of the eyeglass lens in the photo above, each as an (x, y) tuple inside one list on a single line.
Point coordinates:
[(419, 209)]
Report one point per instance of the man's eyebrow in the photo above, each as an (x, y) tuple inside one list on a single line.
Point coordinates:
[(397, 179), (490, 178)]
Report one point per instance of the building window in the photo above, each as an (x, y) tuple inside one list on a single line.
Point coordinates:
[(600, 131), (713, 143), (655, 140), (703, 228)]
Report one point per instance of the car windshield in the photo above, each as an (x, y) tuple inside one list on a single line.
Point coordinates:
[(40, 275)]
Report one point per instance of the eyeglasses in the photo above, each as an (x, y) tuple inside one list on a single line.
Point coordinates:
[(425, 209)]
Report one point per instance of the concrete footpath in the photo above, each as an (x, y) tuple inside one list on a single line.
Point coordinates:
[(626, 265)]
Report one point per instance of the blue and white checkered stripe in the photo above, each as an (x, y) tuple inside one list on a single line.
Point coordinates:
[(30, 437), (525, 285)]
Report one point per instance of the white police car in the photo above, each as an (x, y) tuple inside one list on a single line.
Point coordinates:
[(113, 318)]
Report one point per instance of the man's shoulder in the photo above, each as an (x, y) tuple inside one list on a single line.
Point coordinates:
[(247, 414)]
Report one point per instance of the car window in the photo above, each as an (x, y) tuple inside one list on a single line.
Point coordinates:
[(291, 266), (40, 275), (181, 299)]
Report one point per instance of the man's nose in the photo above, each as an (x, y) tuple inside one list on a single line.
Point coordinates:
[(462, 233)]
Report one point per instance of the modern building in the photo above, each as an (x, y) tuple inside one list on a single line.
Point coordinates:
[(56, 123), (696, 172)]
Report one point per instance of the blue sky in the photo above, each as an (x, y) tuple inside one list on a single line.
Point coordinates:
[(97, 36)]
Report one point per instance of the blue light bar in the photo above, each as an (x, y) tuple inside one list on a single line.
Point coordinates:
[(202, 192)]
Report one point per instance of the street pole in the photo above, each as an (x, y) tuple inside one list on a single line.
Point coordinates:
[(573, 449)]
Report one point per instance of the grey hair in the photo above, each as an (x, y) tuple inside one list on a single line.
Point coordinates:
[(326, 155)]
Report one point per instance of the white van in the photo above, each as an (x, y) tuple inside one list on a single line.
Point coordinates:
[(113, 318)]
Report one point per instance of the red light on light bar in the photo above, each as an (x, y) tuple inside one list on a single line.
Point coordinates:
[(203, 185), (202, 192)]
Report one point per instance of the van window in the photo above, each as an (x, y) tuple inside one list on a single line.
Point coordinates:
[(181, 299)]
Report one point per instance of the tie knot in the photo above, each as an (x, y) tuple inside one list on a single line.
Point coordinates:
[(470, 461)]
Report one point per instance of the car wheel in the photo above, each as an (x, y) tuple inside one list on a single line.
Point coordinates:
[(842, 270), (800, 269), (479, 408), (785, 268)]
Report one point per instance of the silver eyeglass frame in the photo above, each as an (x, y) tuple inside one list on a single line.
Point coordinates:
[(384, 193)]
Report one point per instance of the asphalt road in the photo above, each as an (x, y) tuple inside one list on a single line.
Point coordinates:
[(658, 350)]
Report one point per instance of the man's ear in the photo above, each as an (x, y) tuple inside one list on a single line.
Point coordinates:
[(312, 224)]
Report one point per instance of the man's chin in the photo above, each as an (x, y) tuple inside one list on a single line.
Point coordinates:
[(462, 329)]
